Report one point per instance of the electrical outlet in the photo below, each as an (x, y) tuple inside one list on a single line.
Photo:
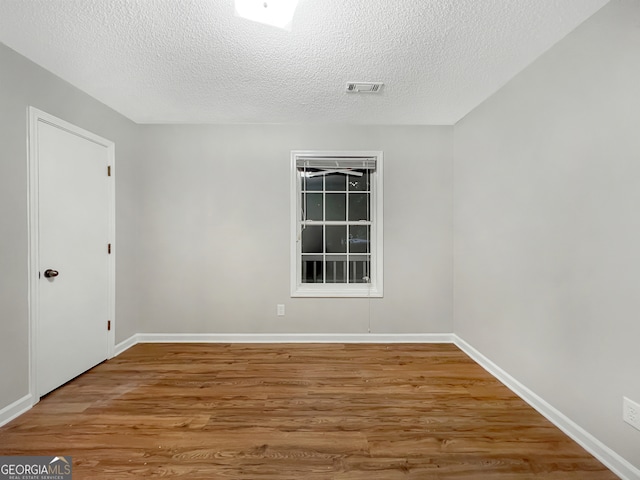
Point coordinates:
[(631, 412), (280, 310)]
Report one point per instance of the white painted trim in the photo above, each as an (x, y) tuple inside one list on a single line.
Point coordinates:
[(617, 464), (15, 409), (34, 116), (282, 338), (111, 335), (126, 344), (293, 338), (33, 256)]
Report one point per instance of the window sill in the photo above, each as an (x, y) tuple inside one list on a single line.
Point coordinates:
[(322, 291)]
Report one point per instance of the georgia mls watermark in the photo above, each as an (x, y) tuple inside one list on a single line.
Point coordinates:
[(35, 468)]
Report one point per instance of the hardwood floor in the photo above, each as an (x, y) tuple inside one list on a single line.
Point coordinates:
[(303, 411)]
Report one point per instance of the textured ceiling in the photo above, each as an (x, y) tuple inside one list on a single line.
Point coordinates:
[(193, 61)]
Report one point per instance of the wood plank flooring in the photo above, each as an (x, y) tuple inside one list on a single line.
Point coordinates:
[(303, 411)]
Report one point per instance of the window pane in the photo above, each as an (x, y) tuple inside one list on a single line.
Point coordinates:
[(336, 206), (359, 207), (359, 183), (312, 271), (359, 238), (313, 208), (359, 267), (336, 268), (336, 239), (313, 183), (312, 239), (335, 182)]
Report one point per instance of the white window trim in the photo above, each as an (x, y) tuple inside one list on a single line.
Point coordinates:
[(375, 287)]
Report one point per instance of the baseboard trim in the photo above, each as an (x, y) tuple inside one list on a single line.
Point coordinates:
[(15, 409), (126, 344), (617, 464), (294, 338), (282, 338)]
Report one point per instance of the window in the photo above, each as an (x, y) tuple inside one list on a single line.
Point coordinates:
[(336, 205)]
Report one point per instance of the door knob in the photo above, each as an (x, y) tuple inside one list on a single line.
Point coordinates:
[(50, 273)]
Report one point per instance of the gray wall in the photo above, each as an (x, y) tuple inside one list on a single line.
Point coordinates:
[(24, 84), (547, 225), (215, 230)]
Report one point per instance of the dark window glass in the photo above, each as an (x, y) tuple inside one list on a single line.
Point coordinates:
[(312, 239), (336, 268), (313, 183), (335, 182), (359, 268), (336, 240), (313, 208), (359, 238), (359, 207), (312, 269), (336, 206), (359, 183)]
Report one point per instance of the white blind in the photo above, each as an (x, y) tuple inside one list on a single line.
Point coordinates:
[(326, 163)]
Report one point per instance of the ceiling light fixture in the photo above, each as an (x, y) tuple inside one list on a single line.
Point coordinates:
[(277, 13)]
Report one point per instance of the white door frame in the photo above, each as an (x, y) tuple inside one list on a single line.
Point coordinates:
[(34, 117)]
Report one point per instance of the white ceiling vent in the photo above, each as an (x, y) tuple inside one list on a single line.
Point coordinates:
[(364, 87)]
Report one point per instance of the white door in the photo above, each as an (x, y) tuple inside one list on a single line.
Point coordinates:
[(73, 253)]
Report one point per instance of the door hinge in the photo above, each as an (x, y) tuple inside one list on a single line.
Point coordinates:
[(109, 325), (108, 170), (109, 248)]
